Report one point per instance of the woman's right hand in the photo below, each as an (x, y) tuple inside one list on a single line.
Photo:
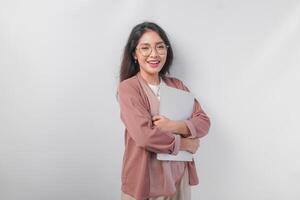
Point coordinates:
[(190, 145)]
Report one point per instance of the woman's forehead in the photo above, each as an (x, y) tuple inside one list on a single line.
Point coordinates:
[(147, 43), (150, 37)]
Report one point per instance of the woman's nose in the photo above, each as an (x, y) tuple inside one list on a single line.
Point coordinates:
[(154, 53)]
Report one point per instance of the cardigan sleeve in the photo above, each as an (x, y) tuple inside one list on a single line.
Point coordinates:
[(138, 122), (199, 123)]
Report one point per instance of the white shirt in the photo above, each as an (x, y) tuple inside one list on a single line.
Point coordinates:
[(156, 88)]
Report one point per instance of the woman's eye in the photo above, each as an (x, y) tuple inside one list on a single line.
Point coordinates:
[(145, 48), (161, 47)]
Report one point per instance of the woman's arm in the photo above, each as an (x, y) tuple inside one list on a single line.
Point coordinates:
[(138, 121), (190, 145), (196, 126), (199, 123), (177, 127), (181, 128)]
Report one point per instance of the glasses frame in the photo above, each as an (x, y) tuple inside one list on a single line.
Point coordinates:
[(167, 46)]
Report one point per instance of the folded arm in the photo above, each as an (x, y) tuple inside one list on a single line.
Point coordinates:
[(138, 121), (197, 125)]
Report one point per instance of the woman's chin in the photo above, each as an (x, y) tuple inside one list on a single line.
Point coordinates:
[(151, 71), (154, 70)]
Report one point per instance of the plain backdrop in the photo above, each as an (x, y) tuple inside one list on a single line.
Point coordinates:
[(61, 137)]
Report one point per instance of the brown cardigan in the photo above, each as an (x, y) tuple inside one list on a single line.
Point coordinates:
[(143, 139)]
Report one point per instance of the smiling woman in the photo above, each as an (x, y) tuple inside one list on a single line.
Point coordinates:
[(151, 61), (145, 50), (146, 62)]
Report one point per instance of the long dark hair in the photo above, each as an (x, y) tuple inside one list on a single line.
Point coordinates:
[(128, 67)]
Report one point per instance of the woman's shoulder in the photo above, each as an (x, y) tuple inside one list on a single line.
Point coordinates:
[(130, 84), (173, 81)]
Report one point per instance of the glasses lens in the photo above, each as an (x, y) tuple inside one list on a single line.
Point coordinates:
[(146, 50), (161, 49)]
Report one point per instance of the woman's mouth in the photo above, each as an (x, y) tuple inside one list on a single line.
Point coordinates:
[(153, 63)]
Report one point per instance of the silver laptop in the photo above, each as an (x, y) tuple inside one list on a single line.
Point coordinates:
[(176, 104)]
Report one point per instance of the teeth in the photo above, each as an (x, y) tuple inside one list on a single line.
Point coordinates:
[(154, 62)]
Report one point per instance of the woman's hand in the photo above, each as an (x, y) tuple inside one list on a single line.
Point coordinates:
[(190, 145), (177, 127), (186, 144), (163, 123)]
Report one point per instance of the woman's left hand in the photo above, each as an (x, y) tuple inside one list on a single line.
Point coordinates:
[(163, 123)]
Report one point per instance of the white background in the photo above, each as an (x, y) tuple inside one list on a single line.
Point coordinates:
[(61, 137)]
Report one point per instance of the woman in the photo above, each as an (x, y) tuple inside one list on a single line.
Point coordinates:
[(146, 62)]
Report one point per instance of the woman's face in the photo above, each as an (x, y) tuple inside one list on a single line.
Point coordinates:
[(151, 53)]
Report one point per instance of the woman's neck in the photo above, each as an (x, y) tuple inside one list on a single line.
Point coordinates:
[(151, 79)]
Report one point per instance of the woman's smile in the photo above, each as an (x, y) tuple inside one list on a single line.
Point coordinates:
[(153, 63)]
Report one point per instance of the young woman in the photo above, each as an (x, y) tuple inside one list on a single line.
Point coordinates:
[(146, 62)]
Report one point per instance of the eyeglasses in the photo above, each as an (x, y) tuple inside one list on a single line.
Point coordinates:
[(146, 49)]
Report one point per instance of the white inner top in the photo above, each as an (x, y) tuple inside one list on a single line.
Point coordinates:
[(156, 88)]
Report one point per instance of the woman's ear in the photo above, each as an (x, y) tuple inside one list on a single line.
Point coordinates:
[(134, 56)]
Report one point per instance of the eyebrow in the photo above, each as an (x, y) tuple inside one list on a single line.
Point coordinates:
[(155, 43)]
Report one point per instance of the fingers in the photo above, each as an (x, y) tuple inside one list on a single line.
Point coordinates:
[(196, 144), (156, 117), (190, 145)]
